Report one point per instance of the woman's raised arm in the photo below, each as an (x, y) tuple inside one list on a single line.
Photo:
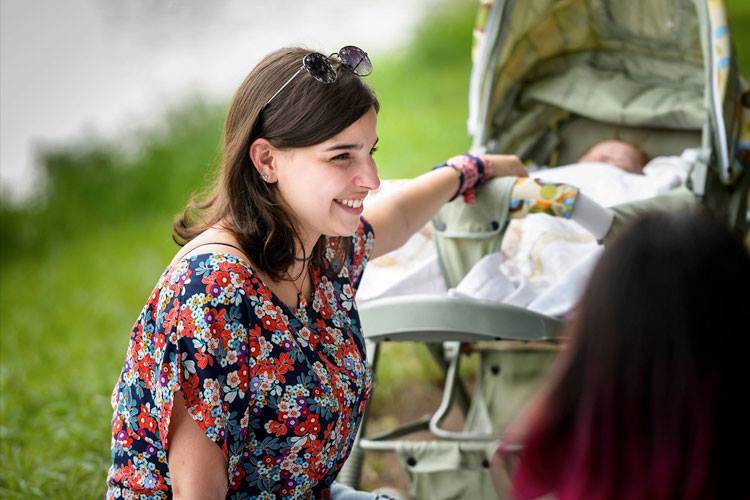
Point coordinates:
[(399, 215)]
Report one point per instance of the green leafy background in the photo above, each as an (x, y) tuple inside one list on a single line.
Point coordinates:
[(77, 264)]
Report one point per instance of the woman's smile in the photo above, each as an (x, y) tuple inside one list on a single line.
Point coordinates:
[(352, 205)]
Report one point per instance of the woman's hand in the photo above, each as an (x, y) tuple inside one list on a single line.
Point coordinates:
[(503, 165)]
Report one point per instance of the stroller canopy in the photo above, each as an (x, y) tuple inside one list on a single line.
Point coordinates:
[(648, 64)]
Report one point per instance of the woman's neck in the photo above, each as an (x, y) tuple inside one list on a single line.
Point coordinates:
[(303, 248)]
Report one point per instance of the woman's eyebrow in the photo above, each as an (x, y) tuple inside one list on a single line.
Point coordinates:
[(336, 147), (344, 146)]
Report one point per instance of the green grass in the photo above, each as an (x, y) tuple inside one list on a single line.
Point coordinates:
[(76, 267)]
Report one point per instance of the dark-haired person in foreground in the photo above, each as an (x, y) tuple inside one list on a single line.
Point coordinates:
[(647, 400)]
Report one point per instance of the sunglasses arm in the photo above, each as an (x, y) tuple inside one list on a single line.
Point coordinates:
[(285, 85)]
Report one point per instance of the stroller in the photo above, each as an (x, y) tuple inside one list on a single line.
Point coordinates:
[(551, 78)]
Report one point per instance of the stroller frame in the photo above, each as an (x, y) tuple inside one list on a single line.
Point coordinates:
[(717, 126)]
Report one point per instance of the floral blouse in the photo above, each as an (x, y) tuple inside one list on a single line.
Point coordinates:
[(280, 391)]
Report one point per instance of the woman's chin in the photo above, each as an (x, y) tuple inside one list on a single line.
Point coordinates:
[(344, 228)]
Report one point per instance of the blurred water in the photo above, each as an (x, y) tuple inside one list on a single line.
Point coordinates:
[(80, 68)]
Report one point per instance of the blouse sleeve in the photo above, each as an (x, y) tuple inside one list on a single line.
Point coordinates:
[(205, 325), (360, 250)]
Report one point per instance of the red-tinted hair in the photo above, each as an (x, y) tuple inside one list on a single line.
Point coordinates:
[(649, 400)]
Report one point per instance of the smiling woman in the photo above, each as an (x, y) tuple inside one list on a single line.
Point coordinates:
[(245, 374), (342, 170)]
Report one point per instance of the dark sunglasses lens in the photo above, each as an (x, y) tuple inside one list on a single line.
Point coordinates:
[(319, 67), (356, 59)]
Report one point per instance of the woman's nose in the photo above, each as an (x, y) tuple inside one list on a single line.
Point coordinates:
[(368, 177)]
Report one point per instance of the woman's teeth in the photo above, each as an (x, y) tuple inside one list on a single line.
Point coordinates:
[(351, 203)]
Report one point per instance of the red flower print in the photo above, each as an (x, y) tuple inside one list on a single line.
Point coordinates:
[(310, 425), (266, 368), (138, 333), (276, 428), (326, 337), (314, 340), (244, 374), (237, 476), (190, 385), (253, 347), (145, 367), (170, 319), (313, 423), (186, 325), (160, 340), (269, 323), (219, 325), (125, 473), (222, 278), (325, 311), (145, 420), (284, 363), (259, 289), (203, 360)]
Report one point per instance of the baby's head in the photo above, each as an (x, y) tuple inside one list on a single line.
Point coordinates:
[(618, 153)]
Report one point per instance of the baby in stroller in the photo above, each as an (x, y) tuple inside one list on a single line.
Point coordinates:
[(550, 224), (618, 153)]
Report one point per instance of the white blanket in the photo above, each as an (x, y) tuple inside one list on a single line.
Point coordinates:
[(544, 262)]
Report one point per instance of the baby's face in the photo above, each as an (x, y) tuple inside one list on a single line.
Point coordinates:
[(617, 153)]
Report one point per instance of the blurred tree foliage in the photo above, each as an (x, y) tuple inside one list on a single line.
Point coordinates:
[(77, 263)]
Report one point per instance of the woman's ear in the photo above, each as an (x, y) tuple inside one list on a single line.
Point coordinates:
[(263, 155)]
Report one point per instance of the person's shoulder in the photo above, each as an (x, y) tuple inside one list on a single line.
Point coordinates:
[(220, 275), (207, 262)]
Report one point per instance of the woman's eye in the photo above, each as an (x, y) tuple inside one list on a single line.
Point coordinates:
[(342, 156), (372, 151)]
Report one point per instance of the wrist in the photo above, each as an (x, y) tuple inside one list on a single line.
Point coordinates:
[(489, 167), (474, 174), (455, 172)]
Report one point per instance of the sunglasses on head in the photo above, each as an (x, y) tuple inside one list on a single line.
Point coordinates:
[(320, 67)]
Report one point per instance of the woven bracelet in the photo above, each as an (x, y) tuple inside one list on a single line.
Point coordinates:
[(472, 174)]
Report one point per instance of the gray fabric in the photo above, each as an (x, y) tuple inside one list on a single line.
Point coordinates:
[(508, 378), (578, 134), (466, 233), (678, 200), (612, 97), (442, 471)]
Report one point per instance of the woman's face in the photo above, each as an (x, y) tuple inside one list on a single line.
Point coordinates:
[(324, 185)]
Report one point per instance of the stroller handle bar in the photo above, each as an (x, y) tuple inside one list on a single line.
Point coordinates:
[(439, 318), (450, 321)]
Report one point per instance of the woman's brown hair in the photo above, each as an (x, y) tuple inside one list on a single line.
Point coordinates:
[(305, 113)]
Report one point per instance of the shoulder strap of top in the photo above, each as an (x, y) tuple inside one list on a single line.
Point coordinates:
[(218, 243)]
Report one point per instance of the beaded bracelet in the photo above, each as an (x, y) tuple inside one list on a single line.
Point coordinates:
[(471, 174)]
